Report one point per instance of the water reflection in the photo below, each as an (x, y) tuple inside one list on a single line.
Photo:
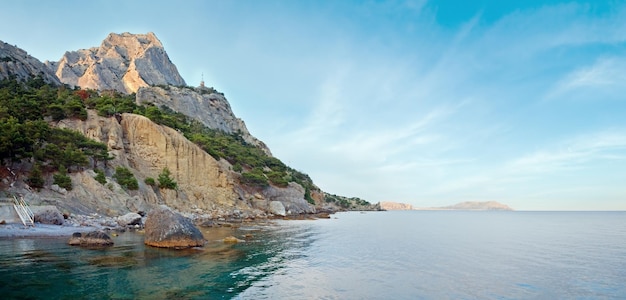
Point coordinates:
[(49, 268)]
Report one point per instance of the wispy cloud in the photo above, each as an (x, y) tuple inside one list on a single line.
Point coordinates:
[(605, 77), (572, 154)]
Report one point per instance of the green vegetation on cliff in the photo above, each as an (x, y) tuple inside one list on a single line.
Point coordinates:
[(26, 109)]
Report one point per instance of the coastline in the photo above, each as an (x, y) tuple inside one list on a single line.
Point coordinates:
[(16, 230)]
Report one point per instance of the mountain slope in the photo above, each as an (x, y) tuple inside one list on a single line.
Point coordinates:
[(15, 62), (205, 105), (232, 179)]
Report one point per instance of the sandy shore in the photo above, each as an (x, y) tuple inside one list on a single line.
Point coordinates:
[(41, 230)]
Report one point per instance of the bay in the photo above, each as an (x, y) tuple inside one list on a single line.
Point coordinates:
[(374, 255)]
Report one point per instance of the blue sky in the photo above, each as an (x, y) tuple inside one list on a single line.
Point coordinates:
[(423, 102)]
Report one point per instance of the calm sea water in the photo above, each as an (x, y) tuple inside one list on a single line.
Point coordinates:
[(377, 255)]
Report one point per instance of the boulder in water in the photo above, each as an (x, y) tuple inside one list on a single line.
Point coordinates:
[(168, 229), (91, 239)]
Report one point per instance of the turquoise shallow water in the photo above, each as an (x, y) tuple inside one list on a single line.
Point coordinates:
[(377, 255)]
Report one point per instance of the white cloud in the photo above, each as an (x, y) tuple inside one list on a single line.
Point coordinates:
[(605, 77)]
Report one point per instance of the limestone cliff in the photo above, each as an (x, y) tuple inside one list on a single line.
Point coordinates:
[(205, 185), (146, 148), (202, 104), (123, 62), (395, 206), (15, 62)]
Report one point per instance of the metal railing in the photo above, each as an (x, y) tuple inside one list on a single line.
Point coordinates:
[(23, 211)]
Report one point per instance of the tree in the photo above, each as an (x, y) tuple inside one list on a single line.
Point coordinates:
[(35, 180), (100, 176), (61, 179), (125, 178), (165, 181)]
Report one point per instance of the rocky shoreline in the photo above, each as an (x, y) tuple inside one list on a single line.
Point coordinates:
[(129, 222)]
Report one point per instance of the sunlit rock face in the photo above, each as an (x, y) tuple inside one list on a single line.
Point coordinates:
[(15, 62), (202, 104), (123, 62)]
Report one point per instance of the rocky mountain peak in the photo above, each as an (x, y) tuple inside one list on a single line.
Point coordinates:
[(123, 62), (15, 62)]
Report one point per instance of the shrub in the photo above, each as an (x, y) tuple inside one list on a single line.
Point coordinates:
[(165, 181), (35, 180), (125, 178), (150, 181), (61, 179), (278, 178), (100, 176), (254, 178)]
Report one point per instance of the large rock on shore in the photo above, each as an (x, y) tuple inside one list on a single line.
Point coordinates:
[(47, 214), (91, 239), (167, 229), (129, 219)]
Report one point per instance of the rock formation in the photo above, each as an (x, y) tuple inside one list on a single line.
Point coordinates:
[(129, 219), (395, 206), (202, 104), (167, 229), (91, 239), (15, 62), (48, 214), (207, 188), (123, 62)]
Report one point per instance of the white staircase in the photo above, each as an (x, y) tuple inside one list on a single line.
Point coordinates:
[(23, 211)]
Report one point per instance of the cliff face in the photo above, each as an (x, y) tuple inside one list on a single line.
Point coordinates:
[(202, 104), (205, 185), (129, 63), (395, 206), (16, 62), (146, 148), (123, 62)]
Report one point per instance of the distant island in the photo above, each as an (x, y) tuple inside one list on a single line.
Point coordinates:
[(467, 205)]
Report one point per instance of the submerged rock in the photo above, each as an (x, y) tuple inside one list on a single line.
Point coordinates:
[(168, 229), (91, 239)]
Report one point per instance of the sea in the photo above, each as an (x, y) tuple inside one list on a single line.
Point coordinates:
[(352, 255)]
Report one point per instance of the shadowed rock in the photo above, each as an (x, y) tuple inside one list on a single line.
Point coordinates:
[(91, 239), (168, 229), (48, 214)]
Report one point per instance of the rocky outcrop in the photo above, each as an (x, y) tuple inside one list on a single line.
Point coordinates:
[(203, 104), (15, 62), (123, 62), (91, 239), (47, 214), (129, 219), (146, 148), (167, 229), (395, 206), (291, 198), (277, 208)]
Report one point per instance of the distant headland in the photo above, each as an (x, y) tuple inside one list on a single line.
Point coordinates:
[(467, 205)]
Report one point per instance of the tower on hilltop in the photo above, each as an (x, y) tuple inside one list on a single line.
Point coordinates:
[(202, 81)]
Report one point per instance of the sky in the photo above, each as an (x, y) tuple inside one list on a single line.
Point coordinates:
[(422, 102)]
